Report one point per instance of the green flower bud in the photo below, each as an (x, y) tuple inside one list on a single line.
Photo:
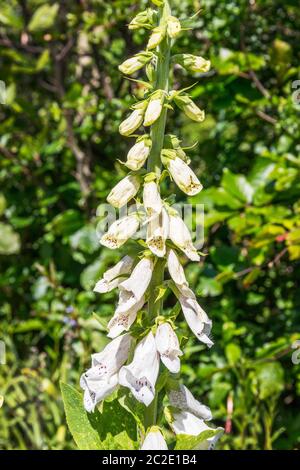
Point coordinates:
[(192, 63), (136, 62), (189, 108), (156, 37), (172, 142), (173, 26), (144, 19), (159, 3)]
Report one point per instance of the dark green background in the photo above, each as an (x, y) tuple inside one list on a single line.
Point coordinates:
[(59, 146)]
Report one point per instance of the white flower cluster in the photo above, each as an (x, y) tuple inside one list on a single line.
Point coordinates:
[(131, 359)]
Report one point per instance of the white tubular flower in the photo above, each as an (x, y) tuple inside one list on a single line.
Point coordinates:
[(192, 63), (154, 107), (101, 379), (181, 237), (120, 231), (181, 173), (135, 120), (139, 153), (134, 288), (188, 106), (101, 390), (122, 321), (154, 440), (157, 233), (151, 198), (187, 423), (136, 62), (156, 37), (124, 191), (113, 276), (110, 359), (196, 318), (173, 27), (140, 376), (177, 272), (183, 399), (168, 347)]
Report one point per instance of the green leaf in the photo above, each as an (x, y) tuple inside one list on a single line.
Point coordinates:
[(66, 222), (233, 353), (85, 240), (2, 204), (9, 240), (110, 429), (270, 378), (83, 426), (237, 185), (43, 18), (187, 442)]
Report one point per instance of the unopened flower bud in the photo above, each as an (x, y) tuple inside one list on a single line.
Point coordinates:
[(192, 63), (159, 3), (154, 107), (154, 440), (144, 19), (156, 37), (139, 153), (136, 62), (188, 106), (133, 122), (125, 190), (173, 26)]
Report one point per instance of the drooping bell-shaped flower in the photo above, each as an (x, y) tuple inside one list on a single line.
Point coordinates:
[(151, 198), (184, 400), (141, 374), (192, 63), (157, 233), (177, 272), (124, 191), (134, 288), (101, 379), (110, 359), (120, 231), (135, 120), (98, 391), (139, 153), (181, 173), (154, 440), (154, 107), (122, 320), (196, 318), (136, 62), (181, 237), (168, 347), (113, 276), (189, 108), (173, 27), (187, 423)]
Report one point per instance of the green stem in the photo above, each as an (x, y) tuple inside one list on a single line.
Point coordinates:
[(154, 165), (162, 83)]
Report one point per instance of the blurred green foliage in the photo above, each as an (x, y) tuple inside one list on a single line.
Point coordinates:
[(59, 143)]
